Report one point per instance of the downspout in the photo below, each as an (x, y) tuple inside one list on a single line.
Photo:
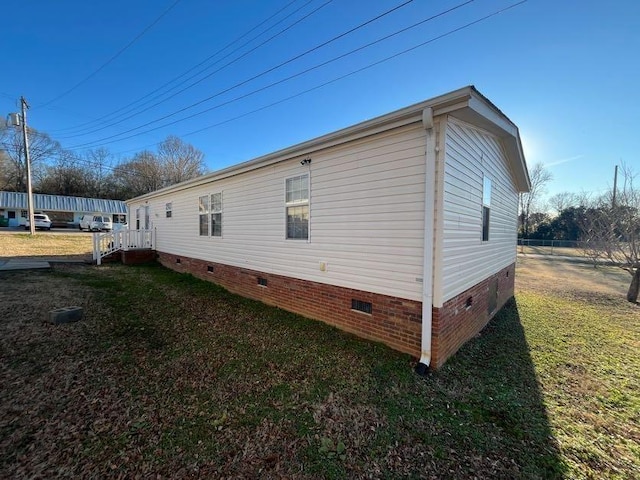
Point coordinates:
[(429, 225)]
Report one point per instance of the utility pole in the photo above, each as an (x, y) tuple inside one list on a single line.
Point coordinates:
[(27, 159), (615, 187)]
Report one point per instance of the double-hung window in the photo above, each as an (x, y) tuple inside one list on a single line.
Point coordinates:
[(297, 207), (210, 213), (486, 208)]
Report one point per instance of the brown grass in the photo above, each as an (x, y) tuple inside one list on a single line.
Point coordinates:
[(549, 275), (45, 245)]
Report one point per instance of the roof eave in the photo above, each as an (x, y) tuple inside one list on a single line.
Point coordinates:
[(461, 100)]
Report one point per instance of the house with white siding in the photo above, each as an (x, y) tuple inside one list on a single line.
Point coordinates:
[(400, 229)]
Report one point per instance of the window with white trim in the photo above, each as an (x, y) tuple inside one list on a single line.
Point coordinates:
[(216, 215), (486, 207), (168, 208), (297, 207), (203, 211), (210, 213)]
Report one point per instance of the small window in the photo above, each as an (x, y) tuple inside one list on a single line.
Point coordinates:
[(361, 306), (216, 215), (297, 207), (203, 209), (210, 268), (168, 207), (24, 214), (262, 281), (486, 208)]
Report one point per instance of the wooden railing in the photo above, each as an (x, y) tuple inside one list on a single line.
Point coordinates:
[(107, 243)]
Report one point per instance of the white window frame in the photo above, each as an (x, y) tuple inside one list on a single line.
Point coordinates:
[(486, 209), (208, 210), (203, 211), (291, 202), (215, 209), (168, 208)]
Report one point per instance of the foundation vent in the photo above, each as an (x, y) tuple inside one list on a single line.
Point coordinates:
[(361, 306)]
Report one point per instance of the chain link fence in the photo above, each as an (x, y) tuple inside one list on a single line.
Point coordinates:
[(569, 248)]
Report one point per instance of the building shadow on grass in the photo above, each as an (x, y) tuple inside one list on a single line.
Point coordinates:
[(488, 408)]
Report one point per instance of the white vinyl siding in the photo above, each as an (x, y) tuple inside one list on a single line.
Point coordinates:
[(367, 226), (470, 156)]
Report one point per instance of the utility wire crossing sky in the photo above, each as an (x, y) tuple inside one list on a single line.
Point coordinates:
[(282, 72)]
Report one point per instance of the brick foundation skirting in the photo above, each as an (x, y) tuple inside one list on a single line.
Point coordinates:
[(397, 322), (462, 317), (393, 321)]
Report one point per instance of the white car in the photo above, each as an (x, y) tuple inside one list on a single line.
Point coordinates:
[(40, 220), (96, 223)]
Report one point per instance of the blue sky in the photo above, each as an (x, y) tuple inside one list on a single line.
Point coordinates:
[(566, 72)]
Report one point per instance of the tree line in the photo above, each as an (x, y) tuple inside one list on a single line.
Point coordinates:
[(94, 173)]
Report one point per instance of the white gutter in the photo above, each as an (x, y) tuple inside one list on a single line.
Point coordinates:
[(429, 224)]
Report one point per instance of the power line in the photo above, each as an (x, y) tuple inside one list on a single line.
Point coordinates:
[(433, 17), (98, 120), (120, 52), (337, 79), (354, 72), (139, 112)]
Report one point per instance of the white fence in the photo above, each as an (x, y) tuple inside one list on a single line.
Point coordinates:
[(106, 243)]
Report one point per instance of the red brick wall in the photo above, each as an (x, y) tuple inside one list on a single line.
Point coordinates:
[(130, 257), (456, 323), (394, 321)]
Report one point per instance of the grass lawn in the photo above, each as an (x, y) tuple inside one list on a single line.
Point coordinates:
[(169, 375), (45, 245)]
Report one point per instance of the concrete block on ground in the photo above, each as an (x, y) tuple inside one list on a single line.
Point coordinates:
[(66, 315)]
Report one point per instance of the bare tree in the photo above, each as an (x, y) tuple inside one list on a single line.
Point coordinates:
[(42, 149), (175, 162), (142, 174), (67, 176), (539, 177), (5, 177), (98, 163), (613, 231), (563, 200), (180, 160)]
